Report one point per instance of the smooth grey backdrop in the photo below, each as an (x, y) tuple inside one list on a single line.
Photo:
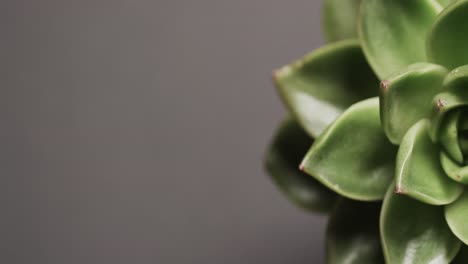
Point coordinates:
[(133, 131)]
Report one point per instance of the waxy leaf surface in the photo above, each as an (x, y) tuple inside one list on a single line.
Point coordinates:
[(393, 32), (415, 233), (453, 169), (353, 156), (443, 104), (449, 136), (448, 38), (406, 97), (419, 172), (457, 217), (317, 88)]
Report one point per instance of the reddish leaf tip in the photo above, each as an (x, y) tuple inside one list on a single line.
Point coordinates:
[(440, 104), (384, 85), (301, 167), (275, 75), (399, 190)]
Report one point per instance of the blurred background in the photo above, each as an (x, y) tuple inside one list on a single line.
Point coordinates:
[(134, 131)]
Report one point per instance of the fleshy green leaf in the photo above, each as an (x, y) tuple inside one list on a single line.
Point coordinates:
[(414, 232), (456, 215), (457, 77), (406, 97), (317, 88), (449, 121), (463, 141), (353, 156), (449, 136), (453, 169), (284, 154), (463, 136), (446, 2), (393, 32), (419, 173), (462, 256), (353, 233), (442, 105), (340, 19), (448, 39)]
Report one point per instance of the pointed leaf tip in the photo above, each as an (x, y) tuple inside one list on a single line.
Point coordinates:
[(414, 232), (419, 172), (353, 157), (406, 97), (317, 88), (286, 151)]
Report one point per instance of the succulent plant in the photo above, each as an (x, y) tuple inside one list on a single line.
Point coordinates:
[(377, 133)]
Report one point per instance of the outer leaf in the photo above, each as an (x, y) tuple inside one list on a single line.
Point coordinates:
[(284, 154), (448, 38), (453, 169), (406, 97), (353, 234), (340, 19), (392, 32), (462, 257), (456, 215), (419, 172), (415, 233), (353, 157), (319, 87)]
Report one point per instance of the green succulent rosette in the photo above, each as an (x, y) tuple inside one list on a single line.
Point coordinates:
[(377, 132), (423, 110)]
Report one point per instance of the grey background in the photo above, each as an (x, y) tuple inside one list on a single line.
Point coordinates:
[(133, 131)]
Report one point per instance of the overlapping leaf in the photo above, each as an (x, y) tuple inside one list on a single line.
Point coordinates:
[(419, 172), (353, 234), (405, 97), (462, 256), (283, 156), (448, 37), (393, 32), (414, 232), (317, 88), (457, 215), (353, 156)]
